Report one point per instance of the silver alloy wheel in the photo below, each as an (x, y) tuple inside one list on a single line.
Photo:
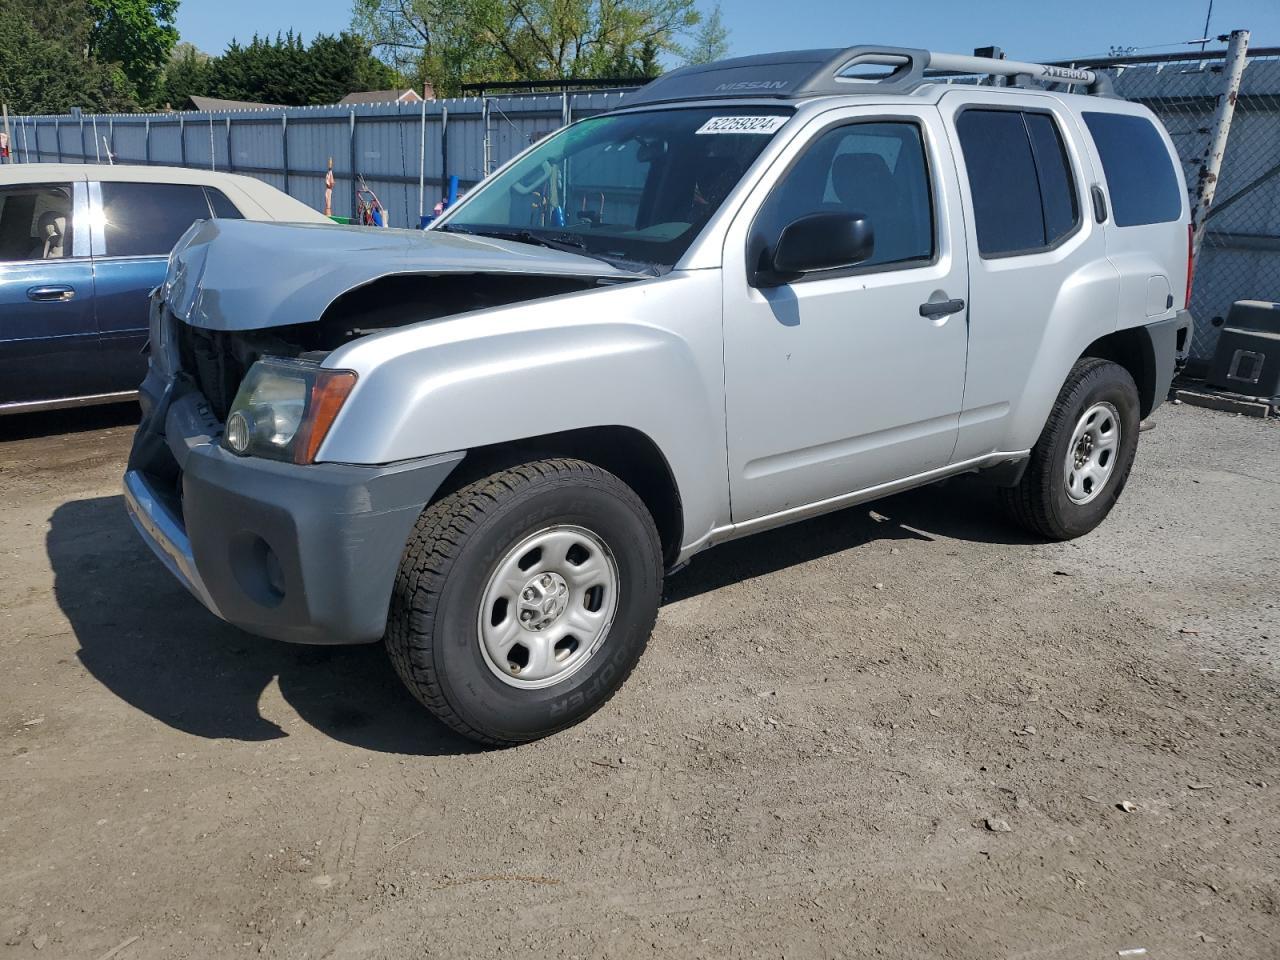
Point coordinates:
[(548, 606), (1092, 452)]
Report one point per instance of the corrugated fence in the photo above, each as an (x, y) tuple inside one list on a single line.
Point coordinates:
[(290, 148)]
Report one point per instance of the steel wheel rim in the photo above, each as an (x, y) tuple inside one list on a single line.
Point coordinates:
[(1092, 453), (548, 606)]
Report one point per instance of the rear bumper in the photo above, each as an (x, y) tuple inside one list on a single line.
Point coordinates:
[(1170, 343), (306, 554)]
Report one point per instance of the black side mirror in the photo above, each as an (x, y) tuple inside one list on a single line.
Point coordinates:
[(821, 241)]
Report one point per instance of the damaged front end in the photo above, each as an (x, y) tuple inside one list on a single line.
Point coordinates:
[(222, 480)]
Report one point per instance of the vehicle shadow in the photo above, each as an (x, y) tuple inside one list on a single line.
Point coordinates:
[(963, 508), (149, 642), (157, 649), (27, 426)]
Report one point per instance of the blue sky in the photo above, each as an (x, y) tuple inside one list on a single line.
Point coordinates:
[(1027, 29)]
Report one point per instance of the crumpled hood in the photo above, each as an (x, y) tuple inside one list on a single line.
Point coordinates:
[(249, 275)]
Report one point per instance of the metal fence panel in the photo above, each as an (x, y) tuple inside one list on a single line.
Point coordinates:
[(290, 149)]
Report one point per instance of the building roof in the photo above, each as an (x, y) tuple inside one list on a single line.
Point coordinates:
[(407, 95), (214, 104)]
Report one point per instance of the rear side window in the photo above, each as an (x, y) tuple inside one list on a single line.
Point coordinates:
[(223, 208), (146, 219), (1024, 197), (35, 222), (1140, 176)]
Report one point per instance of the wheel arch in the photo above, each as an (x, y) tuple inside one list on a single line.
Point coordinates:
[(629, 454), (1134, 350)]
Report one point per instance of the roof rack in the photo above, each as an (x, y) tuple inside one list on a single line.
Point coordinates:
[(867, 68)]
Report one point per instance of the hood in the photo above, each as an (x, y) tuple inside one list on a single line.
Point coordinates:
[(250, 275)]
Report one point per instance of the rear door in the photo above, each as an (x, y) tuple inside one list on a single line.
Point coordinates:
[(47, 334), (1040, 285), (136, 225)]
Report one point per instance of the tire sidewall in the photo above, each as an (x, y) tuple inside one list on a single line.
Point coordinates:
[(510, 713), (1110, 384)]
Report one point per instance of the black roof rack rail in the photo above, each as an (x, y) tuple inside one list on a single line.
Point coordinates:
[(867, 68)]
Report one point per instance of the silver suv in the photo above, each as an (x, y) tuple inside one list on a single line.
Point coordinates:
[(768, 288)]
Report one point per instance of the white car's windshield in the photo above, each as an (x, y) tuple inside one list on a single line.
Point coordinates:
[(634, 187)]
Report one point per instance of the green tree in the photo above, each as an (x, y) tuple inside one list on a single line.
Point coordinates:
[(284, 71), (46, 65), (451, 42), (137, 34), (185, 76), (711, 41)]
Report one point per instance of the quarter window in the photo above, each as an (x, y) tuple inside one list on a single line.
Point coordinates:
[(223, 208), (146, 219), (1024, 198), (1140, 176), (876, 169), (35, 222)]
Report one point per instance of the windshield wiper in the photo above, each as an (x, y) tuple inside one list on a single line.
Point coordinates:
[(563, 241)]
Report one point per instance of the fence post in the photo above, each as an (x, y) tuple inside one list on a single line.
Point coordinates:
[(1211, 162), (422, 166), (355, 209), (284, 148), (182, 141), (566, 111), (146, 142), (444, 144), (231, 160), (57, 138), (488, 145)]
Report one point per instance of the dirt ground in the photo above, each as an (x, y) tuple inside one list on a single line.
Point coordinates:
[(808, 762)]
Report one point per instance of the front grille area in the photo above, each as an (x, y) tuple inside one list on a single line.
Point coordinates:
[(212, 360)]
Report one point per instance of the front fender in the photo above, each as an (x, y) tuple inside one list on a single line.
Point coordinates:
[(643, 355)]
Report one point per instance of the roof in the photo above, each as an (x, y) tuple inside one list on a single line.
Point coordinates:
[(214, 104), (406, 95), (277, 204), (865, 69)]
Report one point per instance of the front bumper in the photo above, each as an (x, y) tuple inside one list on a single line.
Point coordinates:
[(306, 554)]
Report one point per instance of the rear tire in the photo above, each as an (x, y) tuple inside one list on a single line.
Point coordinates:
[(1079, 466), (524, 600)]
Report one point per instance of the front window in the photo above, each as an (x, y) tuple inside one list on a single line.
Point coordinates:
[(631, 187)]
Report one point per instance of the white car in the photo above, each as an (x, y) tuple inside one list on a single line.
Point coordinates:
[(80, 247)]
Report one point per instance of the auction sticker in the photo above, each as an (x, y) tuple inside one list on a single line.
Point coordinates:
[(742, 125)]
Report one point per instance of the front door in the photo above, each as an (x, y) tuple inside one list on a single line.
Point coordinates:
[(840, 381), (48, 340)]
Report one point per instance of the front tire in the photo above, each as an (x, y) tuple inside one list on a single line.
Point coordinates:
[(1080, 464), (524, 600)]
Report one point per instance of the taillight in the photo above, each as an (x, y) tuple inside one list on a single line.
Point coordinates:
[(1191, 265)]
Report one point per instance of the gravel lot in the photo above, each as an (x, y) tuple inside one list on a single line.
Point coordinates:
[(807, 763)]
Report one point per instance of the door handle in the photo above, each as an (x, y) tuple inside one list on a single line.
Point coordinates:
[(51, 292), (940, 308)]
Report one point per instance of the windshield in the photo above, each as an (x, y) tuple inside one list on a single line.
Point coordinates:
[(623, 187)]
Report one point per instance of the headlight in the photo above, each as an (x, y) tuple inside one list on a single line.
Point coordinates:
[(284, 409)]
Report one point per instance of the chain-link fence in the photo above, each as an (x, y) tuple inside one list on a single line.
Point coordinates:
[(1240, 255)]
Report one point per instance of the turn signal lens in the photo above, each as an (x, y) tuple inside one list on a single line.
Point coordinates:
[(328, 394)]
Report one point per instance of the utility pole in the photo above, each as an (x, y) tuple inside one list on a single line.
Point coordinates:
[(1219, 130)]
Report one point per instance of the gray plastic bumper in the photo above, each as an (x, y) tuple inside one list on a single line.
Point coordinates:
[(306, 554)]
